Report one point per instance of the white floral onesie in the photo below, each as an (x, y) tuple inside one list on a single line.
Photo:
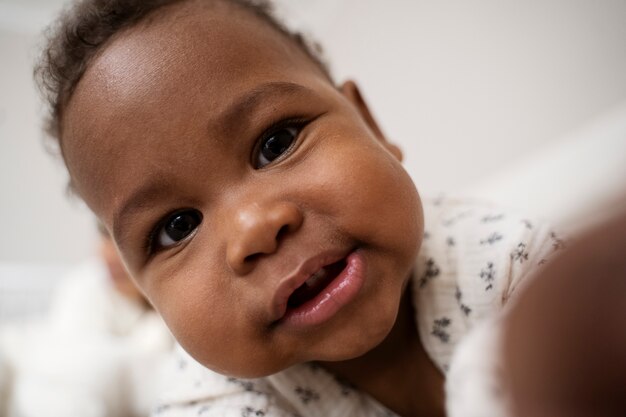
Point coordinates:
[(472, 259)]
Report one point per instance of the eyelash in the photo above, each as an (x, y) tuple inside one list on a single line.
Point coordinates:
[(295, 122), (149, 246)]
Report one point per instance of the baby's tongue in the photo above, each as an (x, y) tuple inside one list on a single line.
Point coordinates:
[(315, 284)]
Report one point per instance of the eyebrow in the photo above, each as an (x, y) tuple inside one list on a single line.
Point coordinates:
[(246, 104)]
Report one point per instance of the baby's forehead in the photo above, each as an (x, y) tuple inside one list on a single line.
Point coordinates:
[(149, 78), (189, 46)]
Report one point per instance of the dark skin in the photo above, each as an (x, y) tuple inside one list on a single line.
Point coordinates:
[(565, 340), (119, 277), (169, 119)]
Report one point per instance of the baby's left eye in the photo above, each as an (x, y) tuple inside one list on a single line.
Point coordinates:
[(274, 145)]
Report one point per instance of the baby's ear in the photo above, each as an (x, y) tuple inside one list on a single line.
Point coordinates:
[(350, 90)]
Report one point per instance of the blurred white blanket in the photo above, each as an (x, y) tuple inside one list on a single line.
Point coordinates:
[(95, 354), (473, 385)]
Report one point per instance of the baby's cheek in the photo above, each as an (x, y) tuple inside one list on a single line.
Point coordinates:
[(213, 329), (380, 197), (203, 331), (187, 306)]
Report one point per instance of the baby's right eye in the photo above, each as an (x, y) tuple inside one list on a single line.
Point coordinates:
[(175, 229)]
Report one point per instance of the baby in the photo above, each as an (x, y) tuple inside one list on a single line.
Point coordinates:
[(266, 217)]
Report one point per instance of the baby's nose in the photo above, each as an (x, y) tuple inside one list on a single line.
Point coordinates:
[(258, 230)]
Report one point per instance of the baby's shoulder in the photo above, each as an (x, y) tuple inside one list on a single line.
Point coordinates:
[(477, 244), (473, 257)]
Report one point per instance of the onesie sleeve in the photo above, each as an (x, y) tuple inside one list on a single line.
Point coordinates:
[(526, 246)]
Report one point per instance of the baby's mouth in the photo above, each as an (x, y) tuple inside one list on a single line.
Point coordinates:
[(315, 284)]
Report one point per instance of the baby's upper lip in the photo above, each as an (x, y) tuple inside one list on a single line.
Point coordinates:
[(288, 285)]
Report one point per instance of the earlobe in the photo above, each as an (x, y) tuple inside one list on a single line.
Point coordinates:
[(351, 91)]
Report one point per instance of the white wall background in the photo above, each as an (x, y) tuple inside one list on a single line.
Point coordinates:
[(466, 87)]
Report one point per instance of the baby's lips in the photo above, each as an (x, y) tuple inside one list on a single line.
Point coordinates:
[(303, 272)]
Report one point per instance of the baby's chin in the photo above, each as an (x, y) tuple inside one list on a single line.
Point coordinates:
[(353, 349), (331, 351)]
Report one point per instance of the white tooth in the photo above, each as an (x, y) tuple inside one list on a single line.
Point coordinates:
[(316, 277)]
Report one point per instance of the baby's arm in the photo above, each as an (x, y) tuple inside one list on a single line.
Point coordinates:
[(565, 338)]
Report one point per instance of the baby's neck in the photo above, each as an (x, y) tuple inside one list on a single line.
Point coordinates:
[(398, 372)]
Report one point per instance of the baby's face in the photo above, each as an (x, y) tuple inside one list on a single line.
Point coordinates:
[(249, 198)]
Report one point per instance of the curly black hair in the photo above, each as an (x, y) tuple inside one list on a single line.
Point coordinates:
[(84, 28)]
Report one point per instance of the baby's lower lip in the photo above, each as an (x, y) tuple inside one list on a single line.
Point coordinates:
[(338, 293)]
